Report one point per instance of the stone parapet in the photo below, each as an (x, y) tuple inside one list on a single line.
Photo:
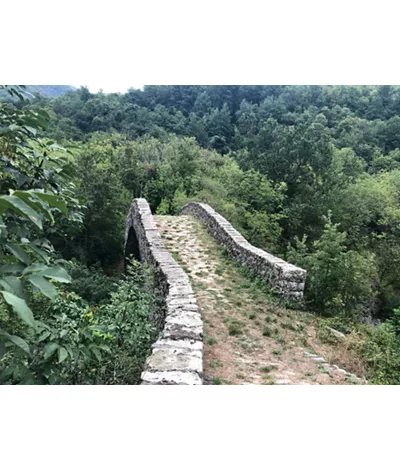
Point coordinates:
[(177, 355), (284, 278)]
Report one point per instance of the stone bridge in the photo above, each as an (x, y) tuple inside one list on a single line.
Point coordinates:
[(177, 355)]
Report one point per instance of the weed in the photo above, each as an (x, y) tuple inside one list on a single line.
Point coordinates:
[(267, 331), (270, 332), (212, 341), (288, 326), (322, 369), (216, 363), (304, 342), (201, 273), (217, 381), (269, 368), (234, 329), (280, 339)]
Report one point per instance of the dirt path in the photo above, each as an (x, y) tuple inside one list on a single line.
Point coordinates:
[(248, 337)]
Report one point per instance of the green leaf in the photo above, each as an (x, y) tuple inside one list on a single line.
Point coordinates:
[(31, 130), (44, 336), (19, 342), (57, 273), (19, 305), (70, 351), (15, 284), (96, 353), (40, 252), (34, 267), (18, 205), (30, 198), (62, 355), (2, 348), (6, 286), (12, 268), (45, 287), (50, 349), (18, 252), (53, 201)]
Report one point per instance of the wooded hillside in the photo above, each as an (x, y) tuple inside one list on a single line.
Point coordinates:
[(309, 173)]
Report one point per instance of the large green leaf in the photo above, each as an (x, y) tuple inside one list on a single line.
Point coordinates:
[(12, 284), (44, 336), (53, 200), (62, 355), (57, 273), (6, 286), (12, 268), (19, 206), (38, 205), (18, 252), (35, 267), (45, 287), (40, 252), (18, 342), (50, 349), (20, 306)]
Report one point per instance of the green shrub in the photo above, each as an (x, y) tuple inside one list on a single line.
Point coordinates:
[(380, 349), (91, 283), (83, 344), (338, 279)]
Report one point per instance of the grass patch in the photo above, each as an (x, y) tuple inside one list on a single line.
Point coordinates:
[(234, 330), (219, 271), (201, 273), (235, 327), (268, 369)]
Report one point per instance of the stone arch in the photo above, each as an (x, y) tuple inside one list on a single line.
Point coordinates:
[(132, 246)]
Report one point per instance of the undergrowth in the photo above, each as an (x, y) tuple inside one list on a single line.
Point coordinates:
[(79, 343)]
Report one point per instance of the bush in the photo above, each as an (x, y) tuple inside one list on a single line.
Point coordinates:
[(380, 349), (338, 280), (83, 344), (91, 283)]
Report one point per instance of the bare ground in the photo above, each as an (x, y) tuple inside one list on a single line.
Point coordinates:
[(249, 337)]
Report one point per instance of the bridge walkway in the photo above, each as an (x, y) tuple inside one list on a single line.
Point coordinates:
[(249, 337)]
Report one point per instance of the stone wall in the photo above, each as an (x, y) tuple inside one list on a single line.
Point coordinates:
[(177, 355), (284, 278)]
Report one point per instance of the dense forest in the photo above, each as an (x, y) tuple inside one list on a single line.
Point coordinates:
[(309, 173)]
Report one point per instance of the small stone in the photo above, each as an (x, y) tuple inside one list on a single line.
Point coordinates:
[(307, 354), (337, 334), (319, 359)]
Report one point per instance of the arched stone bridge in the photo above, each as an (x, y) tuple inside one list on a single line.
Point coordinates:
[(177, 355)]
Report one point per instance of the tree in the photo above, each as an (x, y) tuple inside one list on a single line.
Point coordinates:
[(34, 196)]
